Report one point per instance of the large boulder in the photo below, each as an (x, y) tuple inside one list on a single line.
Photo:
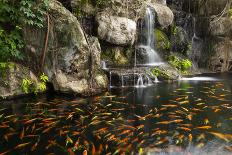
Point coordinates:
[(12, 78), (70, 52), (164, 13), (116, 30)]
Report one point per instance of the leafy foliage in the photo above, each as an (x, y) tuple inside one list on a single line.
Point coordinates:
[(183, 65), (43, 80), (14, 15), (28, 86)]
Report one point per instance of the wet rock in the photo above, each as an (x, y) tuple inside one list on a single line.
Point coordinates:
[(141, 55), (116, 30), (180, 41)]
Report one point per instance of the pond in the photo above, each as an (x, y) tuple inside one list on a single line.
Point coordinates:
[(193, 116)]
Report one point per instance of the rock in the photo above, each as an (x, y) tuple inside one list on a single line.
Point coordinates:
[(221, 60), (166, 72), (134, 9), (211, 7), (71, 60), (221, 27), (180, 40), (159, 1), (141, 55), (117, 56), (96, 52), (11, 82), (116, 30), (87, 8), (164, 13)]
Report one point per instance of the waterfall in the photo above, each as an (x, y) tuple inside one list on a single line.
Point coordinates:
[(140, 81), (122, 78), (149, 81), (103, 65), (152, 57), (156, 79), (110, 80)]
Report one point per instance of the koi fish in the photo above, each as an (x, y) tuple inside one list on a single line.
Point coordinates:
[(203, 127)]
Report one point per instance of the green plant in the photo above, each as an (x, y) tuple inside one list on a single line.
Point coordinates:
[(174, 30), (15, 14), (26, 85), (33, 12), (42, 84), (181, 64), (162, 40), (185, 64)]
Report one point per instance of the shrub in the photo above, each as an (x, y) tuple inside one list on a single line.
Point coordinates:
[(183, 65), (28, 86), (14, 15)]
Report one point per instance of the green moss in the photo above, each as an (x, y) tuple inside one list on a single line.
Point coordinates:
[(117, 55), (162, 41)]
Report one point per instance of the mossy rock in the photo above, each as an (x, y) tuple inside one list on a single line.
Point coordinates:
[(117, 55), (162, 40), (166, 72)]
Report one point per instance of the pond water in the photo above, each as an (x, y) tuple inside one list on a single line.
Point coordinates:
[(185, 117)]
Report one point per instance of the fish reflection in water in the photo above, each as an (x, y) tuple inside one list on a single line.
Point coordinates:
[(185, 122)]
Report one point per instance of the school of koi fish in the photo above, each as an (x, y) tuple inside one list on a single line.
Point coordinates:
[(120, 124)]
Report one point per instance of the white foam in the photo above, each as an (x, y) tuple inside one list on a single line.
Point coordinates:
[(199, 79)]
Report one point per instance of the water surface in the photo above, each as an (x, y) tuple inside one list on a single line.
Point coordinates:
[(185, 117)]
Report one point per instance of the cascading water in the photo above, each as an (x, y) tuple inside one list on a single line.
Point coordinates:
[(140, 81), (156, 79), (148, 45), (103, 65)]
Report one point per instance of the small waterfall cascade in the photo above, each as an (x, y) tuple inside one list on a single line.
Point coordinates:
[(122, 78), (103, 65), (149, 81), (110, 79), (140, 81), (139, 75), (156, 79), (147, 44), (130, 79)]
